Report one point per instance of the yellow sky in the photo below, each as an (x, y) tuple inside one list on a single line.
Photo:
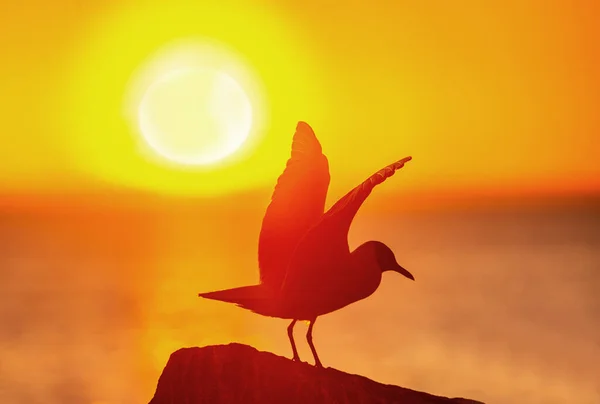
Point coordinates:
[(484, 95)]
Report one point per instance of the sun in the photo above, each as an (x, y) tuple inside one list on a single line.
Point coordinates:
[(195, 116), (192, 104)]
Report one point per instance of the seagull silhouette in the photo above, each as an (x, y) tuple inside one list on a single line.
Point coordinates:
[(306, 266)]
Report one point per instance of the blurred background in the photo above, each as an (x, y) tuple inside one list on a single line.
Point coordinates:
[(103, 251)]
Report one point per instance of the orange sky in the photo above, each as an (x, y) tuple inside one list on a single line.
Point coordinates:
[(498, 96)]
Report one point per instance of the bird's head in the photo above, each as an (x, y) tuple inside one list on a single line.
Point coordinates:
[(383, 256)]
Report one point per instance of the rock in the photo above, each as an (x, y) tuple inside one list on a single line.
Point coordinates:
[(238, 373)]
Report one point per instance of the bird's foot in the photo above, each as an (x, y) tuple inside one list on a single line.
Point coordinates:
[(296, 358), (319, 365)]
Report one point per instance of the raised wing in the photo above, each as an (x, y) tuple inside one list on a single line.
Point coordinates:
[(339, 217), (324, 248), (297, 203)]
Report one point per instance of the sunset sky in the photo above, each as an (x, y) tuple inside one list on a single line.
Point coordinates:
[(494, 100), (494, 96)]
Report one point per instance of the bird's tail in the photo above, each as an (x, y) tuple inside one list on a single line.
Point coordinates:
[(257, 298)]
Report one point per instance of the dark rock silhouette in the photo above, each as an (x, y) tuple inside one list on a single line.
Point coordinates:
[(238, 373)]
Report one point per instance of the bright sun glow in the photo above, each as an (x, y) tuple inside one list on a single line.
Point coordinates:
[(195, 116), (193, 103), (142, 108)]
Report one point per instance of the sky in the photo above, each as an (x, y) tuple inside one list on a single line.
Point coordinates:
[(103, 250), (495, 96)]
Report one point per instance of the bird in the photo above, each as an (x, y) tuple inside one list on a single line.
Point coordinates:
[(305, 264)]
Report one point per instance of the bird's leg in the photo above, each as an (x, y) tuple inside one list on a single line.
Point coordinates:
[(290, 330), (310, 343)]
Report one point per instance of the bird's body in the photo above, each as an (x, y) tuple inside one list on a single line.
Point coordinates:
[(307, 295), (306, 266), (306, 298)]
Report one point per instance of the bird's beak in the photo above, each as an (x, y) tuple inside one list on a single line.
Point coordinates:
[(404, 272)]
